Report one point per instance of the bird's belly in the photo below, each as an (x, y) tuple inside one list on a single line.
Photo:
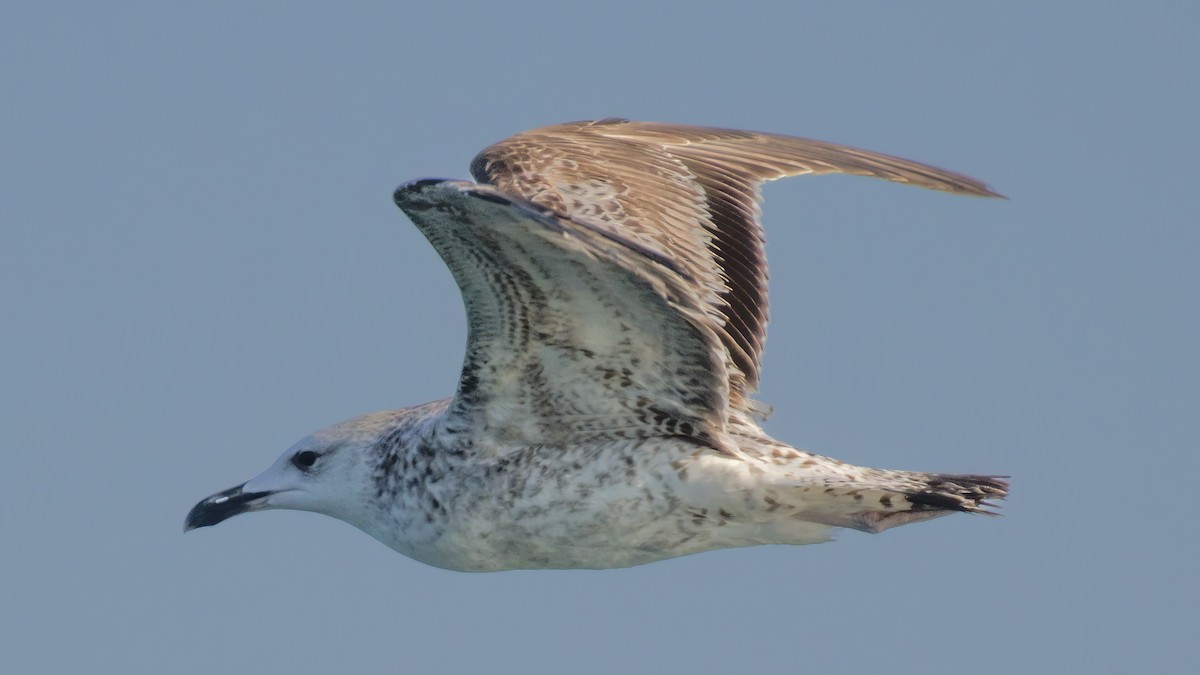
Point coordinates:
[(608, 505), (586, 540), (590, 506)]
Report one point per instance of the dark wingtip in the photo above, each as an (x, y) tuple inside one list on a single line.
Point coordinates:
[(988, 192), (960, 184)]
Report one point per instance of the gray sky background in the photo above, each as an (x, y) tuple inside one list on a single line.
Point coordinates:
[(200, 263)]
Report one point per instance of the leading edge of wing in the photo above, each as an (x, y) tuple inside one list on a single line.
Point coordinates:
[(422, 194)]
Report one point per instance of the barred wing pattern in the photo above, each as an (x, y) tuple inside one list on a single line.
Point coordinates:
[(691, 195), (614, 276)]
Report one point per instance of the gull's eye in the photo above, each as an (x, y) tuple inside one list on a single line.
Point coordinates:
[(305, 460)]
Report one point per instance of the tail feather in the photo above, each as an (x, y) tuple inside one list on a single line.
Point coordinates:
[(938, 495), (952, 492)]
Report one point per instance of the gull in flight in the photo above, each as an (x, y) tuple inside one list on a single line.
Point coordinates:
[(615, 284)]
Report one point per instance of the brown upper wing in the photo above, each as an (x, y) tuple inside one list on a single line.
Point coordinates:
[(690, 194)]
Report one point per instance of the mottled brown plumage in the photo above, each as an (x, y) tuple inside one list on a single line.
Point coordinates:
[(692, 195)]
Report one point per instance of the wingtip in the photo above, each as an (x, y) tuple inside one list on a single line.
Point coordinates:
[(967, 186)]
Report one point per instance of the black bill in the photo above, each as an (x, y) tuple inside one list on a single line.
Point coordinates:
[(224, 505)]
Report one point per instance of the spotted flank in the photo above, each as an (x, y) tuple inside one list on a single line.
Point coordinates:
[(615, 284)]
